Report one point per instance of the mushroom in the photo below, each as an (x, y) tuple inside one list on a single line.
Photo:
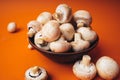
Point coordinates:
[(30, 46), (84, 69), (12, 27), (50, 31), (36, 73), (78, 44), (44, 17), (107, 68), (60, 45), (82, 18), (87, 34), (63, 13), (39, 42), (67, 30), (33, 27)]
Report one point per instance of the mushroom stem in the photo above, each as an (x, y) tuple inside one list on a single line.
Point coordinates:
[(86, 60), (35, 69), (81, 24)]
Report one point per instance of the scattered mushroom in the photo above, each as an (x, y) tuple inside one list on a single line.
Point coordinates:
[(51, 31), (82, 18), (79, 44), (39, 42), (33, 27), (44, 17), (87, 34), (84, 69), (107, 68), (60, 45), (63, 13), (67, 30), (30, 46), (12, 27), (36, 73)]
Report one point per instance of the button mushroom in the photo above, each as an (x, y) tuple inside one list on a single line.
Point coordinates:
[(39, 42), (63, 13), (50, 31), (60, 45), (12, 27), (82, 18), (107, 68), (44, 17), (84, 69), (79, 44), (33, 27), (87, 34), (30, 46), (67, 30), (36, 73)]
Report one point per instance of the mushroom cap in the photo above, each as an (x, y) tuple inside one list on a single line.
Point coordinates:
[(107, 68), (84, 72), (35, 25), (44, 17), (42, 75), (12, 27), (87, 34), (67, 30), (64, 13), (51, 31), (82, 16)]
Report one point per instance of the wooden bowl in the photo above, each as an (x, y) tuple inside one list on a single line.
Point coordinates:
[(65, 57)]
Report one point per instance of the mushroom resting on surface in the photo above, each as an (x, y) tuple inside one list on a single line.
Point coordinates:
[(107, 68), (82, 18), (63, 13), (36, 73), (33, 27), (60, 45), (44, 17), (79, 44), (12, 27), (67, 30), (84, 69), (87, 34), (39, 42), (50, 31)]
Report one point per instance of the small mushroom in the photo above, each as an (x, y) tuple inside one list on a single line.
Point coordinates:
[(63, 13), (33, 27), (84, 69), (87, 34), (44, 17), (12, 27), (36, 73), (78, 44), (39, 42), (68, 31), (82, 18), (107, 68), (50, 31), (30, 46), (60, 45)]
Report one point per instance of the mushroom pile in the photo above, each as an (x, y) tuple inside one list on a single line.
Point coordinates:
[(62, 31)]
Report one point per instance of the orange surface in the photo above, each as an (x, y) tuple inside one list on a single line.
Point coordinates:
[(16, 58)]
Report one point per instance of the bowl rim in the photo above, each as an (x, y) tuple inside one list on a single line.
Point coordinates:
[(31, 41)]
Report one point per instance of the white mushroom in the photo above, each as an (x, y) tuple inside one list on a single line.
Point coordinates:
[(87, 34), (12, 27), (84, 69), (30, 46), (44, 17), (60, 45), (78, 44), (107, 68), (63, 13), (36, 73), (33, 27), (51, 31), (67, 30), (82, 18), (39, 42)]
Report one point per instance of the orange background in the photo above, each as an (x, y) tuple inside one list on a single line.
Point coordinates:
[(16, 58)]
